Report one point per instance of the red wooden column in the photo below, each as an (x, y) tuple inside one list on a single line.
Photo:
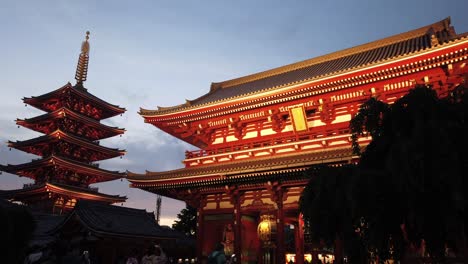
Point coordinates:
[(237, 227), (299, 237), (280, 251), (200, 230)]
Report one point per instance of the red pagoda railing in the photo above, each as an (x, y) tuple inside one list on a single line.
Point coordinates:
[(32, 185)]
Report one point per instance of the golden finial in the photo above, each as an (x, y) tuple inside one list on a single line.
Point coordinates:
[(85, 44), (83, 59)]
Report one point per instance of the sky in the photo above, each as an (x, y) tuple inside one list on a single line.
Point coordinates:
[(159, 53)]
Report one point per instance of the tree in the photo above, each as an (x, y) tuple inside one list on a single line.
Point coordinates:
[(327, 205), (409, 190), (413, 171), (187, 222), (17, 227)]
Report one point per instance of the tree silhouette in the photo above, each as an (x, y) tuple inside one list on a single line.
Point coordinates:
[(408, 194), (187, 222), (17, 226), (413, 171), (327, 204)]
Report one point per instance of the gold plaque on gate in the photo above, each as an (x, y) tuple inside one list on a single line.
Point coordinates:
[(299, 119)]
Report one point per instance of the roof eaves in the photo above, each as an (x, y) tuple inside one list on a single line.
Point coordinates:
[(343, 71)]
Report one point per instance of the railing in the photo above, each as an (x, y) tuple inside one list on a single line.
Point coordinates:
[(32, 185), (94, 189), (267, 142), (29, 185), (272, 146)]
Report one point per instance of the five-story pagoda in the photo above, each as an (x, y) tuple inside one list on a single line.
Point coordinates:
[(69, 147)]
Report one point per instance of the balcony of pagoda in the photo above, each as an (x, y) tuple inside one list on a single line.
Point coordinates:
[(30, 185), (36, 185), (298, 143)]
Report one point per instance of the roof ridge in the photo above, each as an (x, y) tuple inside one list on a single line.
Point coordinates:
[(197, 169), (71, 112), (67, 85), (108, 206), (73, 187), (437, 26)]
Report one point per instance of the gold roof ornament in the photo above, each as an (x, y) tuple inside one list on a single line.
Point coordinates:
[(83, 60)]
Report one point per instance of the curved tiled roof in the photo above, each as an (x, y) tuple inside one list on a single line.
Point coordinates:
[(333, 63), (64, 111), (45, 223), (55, 187), (118, 220), (259, 165), (70, 164), (60, 135), (80, 91)]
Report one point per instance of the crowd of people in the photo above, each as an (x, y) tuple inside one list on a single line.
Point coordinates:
[(153, 255), (74, 255), (218, 256)]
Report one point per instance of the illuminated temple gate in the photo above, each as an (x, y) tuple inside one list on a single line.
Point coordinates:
[(257, 135)]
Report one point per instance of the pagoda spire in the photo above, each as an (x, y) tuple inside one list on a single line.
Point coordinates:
[(82, 67), (69, 149)]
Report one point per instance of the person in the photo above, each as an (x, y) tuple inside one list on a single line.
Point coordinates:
[(73, 256), (34, 255), (132, 259), (85, 257), (149, 257), (217, 256), (160, 256)]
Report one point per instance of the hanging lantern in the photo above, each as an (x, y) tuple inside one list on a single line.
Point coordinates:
[(266, 230)]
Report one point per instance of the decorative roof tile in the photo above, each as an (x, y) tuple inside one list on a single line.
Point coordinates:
[(54, 187), (259, 165), (65, 112), (79, 91), (118, 220), (60, 135), (67, 163), (345, 60)]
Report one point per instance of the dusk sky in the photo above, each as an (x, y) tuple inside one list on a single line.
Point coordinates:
[(159, 53)]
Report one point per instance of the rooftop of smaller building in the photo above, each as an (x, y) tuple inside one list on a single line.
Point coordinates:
[(118, 220)]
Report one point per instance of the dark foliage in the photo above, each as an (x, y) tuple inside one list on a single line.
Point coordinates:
[(187, 221), (409, 187), (17, 226), (327, 204)]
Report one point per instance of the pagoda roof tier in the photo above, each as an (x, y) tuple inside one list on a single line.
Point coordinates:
[(323, 69), (30, 169), (55, 188), (240, 171), (54, 100), (44, 146), (44, 124)]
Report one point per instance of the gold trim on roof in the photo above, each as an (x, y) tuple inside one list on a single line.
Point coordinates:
[(462, 39), (438, 26), (443, 29)]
